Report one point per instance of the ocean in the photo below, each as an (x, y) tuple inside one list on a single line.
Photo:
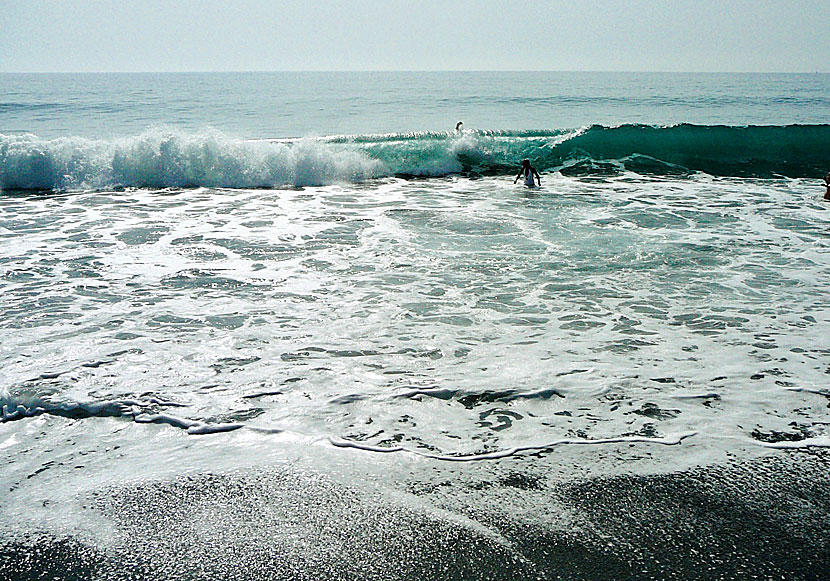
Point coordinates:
[(296, 326)]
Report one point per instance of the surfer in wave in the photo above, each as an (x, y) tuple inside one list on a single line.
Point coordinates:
[(528, 171)]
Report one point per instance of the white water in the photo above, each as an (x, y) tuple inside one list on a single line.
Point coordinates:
[(448, 317)]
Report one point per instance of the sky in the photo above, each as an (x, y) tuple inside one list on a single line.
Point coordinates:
[(320, 35)]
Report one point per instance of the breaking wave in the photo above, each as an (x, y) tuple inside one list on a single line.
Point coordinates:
[(164, 157)]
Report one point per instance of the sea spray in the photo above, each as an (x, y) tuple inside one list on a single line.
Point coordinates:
[(165, 157)]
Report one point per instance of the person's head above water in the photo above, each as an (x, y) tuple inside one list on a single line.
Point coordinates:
[(525, 163)]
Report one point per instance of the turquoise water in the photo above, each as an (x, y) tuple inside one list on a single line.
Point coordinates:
[(221, 273)]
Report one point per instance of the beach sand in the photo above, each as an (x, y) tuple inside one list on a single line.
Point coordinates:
[(762, 518)]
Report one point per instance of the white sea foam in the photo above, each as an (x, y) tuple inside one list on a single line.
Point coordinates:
[(496, 455), (165, 157), (457, 318)]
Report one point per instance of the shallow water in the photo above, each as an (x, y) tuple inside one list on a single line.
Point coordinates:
[(448, 317)]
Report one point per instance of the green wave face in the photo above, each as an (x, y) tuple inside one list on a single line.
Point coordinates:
[(755, 151)]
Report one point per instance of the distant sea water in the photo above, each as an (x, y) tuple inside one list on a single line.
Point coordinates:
[(295, 325)]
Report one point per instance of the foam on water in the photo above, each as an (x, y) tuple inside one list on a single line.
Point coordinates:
[(166, 157), (454, 318)]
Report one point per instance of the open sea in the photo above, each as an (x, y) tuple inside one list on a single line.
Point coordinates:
[(296, 326)]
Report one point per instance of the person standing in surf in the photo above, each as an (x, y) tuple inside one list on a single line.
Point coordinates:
[(528, 171), (827, 186)]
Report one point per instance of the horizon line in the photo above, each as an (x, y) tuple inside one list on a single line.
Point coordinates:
[(246, 71)]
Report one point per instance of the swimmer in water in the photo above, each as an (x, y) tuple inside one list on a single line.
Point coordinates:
[(528, 171), (827, 185)]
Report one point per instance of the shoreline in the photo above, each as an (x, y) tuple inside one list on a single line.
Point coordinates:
[(766, 516)]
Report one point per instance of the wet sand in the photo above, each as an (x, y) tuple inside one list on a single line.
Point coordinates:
[(766, 518)]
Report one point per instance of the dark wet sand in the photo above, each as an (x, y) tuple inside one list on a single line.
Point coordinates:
[(767, 518)]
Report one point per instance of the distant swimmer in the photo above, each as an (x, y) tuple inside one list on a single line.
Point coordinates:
[(458, 126), (528, 171), (827, 185)]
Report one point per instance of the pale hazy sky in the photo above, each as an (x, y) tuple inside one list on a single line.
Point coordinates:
[(252, 35)]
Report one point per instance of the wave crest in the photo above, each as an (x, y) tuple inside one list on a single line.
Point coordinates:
[(160, 158), (165, 157)]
